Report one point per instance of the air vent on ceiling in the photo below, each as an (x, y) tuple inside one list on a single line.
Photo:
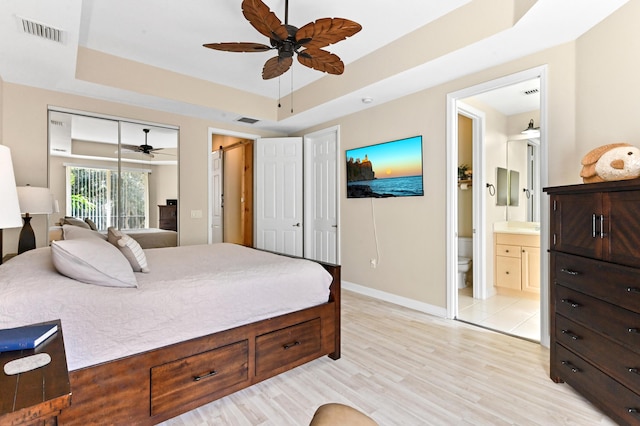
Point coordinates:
[(531, 92), (56, 123), (247, 120), (40, 30)]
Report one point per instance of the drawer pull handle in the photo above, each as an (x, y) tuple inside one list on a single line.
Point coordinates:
[(571, 303), (569, 271), (633, 370), (570, 334), (506, 251), (290, 345), (593, 225), (633, 330), (204, 376), (633, 290), (573, 368), (632, 410)]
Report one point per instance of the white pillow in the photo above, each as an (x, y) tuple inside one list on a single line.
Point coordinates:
[(129, 248), (72, 232), (92, 261)]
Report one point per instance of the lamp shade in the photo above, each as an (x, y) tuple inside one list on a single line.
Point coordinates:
[(9, 206), (35, 200)]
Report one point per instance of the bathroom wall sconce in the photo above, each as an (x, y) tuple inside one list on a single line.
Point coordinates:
[(492, 189), (531, 129)]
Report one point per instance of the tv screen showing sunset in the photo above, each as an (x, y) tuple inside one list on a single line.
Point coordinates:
[(389, 169)]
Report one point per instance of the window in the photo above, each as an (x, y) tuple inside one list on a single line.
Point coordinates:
[(92, 193)]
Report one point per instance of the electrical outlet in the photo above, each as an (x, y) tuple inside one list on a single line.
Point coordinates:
[(196, 214), (374, 263)]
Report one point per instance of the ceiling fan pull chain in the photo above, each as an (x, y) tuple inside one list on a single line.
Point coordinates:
[(291, 90), (279, 92)]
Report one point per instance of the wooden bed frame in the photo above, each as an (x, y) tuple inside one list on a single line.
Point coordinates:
[(156, 385)]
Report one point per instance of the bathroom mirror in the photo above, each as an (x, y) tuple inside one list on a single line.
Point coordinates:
[(113, 171), (502, 186), (514, 188)]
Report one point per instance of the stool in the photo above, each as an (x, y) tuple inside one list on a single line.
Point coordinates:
[(334, 414)]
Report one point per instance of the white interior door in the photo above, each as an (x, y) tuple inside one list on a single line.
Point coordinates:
[(217, 196), (321, 196), (278, 195)]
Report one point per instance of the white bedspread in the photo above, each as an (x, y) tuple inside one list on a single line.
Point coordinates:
[(191, 291)]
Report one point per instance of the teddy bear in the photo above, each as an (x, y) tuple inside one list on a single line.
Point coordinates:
[(616, 161)]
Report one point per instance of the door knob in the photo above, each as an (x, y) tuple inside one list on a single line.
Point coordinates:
[(297, 225)]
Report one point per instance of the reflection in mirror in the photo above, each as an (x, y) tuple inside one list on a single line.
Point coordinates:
[(522, 157), (502, 186), (514, 188), (113, 172)]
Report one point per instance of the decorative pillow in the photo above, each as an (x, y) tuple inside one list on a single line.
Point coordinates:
[(91, 224), (129, 248), (71, 232), (75, 222), (92, 261)]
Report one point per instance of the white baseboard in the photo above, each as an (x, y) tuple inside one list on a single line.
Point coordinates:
[(398, 300)]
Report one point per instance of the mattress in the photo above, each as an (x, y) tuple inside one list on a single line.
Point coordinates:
[(191, 291)]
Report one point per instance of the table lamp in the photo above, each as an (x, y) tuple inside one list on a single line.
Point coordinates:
[(33, 200), (9, 207)]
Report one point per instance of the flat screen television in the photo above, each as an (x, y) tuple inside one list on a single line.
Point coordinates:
[(388, 169)]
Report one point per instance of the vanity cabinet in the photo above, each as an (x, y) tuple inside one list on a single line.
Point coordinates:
[(594, 293), (517, 263)]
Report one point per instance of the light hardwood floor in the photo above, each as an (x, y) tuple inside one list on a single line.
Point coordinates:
[(404, 367)]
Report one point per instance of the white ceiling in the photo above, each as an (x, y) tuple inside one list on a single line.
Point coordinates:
[(169, 34)]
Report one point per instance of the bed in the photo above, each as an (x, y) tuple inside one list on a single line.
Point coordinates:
[(146, 237), (181, 337)]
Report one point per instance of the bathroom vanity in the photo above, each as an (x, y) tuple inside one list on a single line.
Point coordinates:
[(517, 258)]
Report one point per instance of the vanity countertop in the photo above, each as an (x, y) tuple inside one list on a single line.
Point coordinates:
[(513, 227)]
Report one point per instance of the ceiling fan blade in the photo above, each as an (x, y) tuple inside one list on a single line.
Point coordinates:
[(132, 148), (276, 66), (238, 47), (326, 31), (321, 60), (264, 20)]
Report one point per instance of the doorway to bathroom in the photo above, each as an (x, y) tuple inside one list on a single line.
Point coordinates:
[(497, 281)]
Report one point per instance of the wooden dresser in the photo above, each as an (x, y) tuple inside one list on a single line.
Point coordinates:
[(168, 218), (595, 294)]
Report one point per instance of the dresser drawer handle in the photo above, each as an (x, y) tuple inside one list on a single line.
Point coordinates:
[(571, 303), (633, 330), (290, 345), (632, 410), (633, 290), (569, 271), (573, 368), (204, 376), (570, 334), (633, 370)]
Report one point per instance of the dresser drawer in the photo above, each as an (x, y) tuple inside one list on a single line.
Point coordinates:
[(619, 285), (615, 360), (507, 250), (618, 324), (290, 345), (621, 404), (184, 380)]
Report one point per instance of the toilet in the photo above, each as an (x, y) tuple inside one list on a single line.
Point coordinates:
[(465, 254)]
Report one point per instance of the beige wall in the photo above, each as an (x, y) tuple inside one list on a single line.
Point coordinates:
[(411, 231), (25, 132), (594, 106)]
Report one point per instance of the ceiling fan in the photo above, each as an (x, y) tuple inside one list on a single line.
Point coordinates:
[(307, 42), (144, 149)]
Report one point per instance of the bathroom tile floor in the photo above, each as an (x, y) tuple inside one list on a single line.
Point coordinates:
[(512, 315)]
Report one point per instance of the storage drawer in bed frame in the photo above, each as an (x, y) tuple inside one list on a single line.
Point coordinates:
[(289, 346), (180, 381)]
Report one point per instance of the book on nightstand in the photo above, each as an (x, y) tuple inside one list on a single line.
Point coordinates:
[(27, 337)]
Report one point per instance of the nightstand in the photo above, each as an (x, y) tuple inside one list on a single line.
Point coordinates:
[(37, 396), (8, 256)]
